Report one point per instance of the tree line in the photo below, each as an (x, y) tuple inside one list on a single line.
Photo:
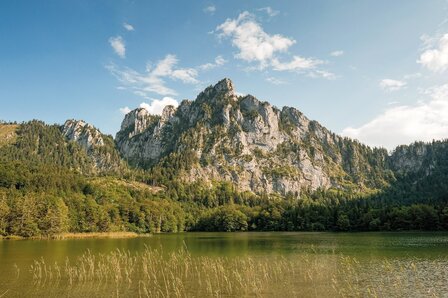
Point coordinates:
[(46, 188)]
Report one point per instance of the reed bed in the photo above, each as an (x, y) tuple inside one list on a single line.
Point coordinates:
[(155, 273)]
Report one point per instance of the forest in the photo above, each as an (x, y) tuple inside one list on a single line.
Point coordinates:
[(48, 189)]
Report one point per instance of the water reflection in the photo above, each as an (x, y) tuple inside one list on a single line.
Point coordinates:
[(378, 255)]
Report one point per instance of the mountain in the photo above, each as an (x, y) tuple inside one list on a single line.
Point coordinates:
[(76, 146), (224, 137), (99, 147), (222, 162), (253, 144)]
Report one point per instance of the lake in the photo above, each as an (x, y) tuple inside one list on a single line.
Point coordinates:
[(264, 264)]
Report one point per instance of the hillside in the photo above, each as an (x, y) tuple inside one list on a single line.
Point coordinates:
[(222, 162), (7, 133), (75, 146), (252, 144)]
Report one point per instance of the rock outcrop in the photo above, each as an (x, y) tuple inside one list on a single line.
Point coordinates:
[(419, 158), (82, 133), (253, 144), (99, 147)]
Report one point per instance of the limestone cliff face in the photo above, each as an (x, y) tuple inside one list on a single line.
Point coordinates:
[(99, 147), (83, 133), (258, 147), (419, 158)]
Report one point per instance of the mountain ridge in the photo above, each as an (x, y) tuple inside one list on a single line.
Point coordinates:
[(222, 162), (222, 136), (246, 130)]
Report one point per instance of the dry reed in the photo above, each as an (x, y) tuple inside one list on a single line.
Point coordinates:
[(155, 273)]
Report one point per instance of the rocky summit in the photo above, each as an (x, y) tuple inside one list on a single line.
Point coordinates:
[(253, 144), (223, 136), (99, 147), (221, 162)]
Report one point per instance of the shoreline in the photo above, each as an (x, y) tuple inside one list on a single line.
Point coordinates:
[(128, 235), (67, 236)]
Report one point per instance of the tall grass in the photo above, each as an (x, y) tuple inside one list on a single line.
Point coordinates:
[(155, 273)]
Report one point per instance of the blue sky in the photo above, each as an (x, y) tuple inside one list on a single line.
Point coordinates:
[(372, 70)]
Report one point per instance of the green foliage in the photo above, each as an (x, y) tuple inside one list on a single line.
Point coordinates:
[(47, 187), (37, 142), (223, 219)]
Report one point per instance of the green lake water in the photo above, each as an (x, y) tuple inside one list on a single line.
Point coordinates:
[(408, 264)]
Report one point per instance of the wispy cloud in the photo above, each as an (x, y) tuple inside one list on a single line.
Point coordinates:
[(296, 64), (435, 57), (392, 85), (393, 102), (404, 124), (153, 80), (264, 50), (117, 43), (337, 53), (269, 11), (128, 27), (211, 9), (219, 61), (124, 110), (318, 73), (275, 81)]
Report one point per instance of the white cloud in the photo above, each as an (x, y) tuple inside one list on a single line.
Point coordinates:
[(253, 43), (156, 106), (392, 85), (394, 102), (166, 68), (275, 81), (435, 58), (186, 75), (117, 43), (125, 110), (269, 11), (404, 124), (141, 93), (163, 67), (322, 74), (152, 81), (256, 46), (219, 61), (128, 27), (337, 53), (296, 64), (210, 9)]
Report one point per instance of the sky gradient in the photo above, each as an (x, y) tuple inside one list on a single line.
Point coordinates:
[(372, 70)]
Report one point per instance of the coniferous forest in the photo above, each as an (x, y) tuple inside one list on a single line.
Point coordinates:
[(49, 185)]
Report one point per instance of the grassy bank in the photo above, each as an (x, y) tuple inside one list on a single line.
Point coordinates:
[(117, 235)]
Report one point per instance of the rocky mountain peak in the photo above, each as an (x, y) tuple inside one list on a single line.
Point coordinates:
[(83, 133), (253, 144), (168, 112), (223, 87), (99, 147), (135, 122)]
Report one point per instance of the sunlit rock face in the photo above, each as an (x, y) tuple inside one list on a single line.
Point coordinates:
[(99, 147), (253, 144)]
